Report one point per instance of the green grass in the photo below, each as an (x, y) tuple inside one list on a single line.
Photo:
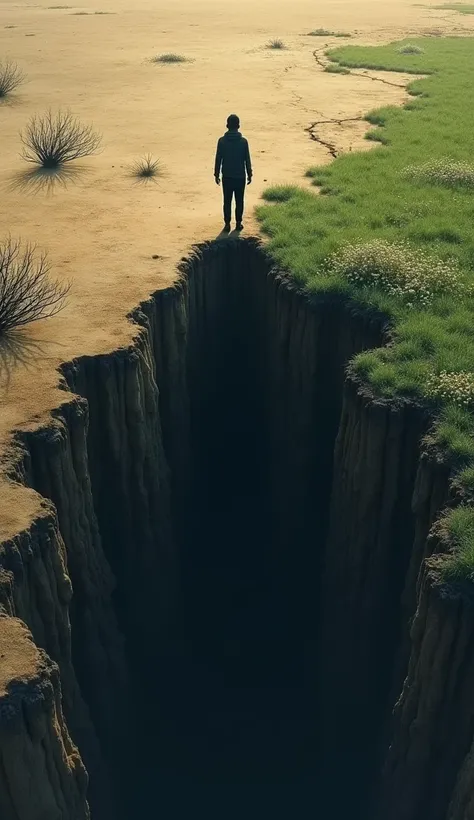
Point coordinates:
[(335, 68), (457, 568), (376, 195), (280, 193), (409, 48), (462, 8)]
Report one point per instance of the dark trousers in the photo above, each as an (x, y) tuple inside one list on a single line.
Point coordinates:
[(233, 187)]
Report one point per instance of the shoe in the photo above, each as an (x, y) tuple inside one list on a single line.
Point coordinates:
[(239, 226), (226, 228)]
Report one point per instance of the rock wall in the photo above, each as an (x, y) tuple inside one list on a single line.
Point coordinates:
[(434, 715), (41, 772), (35, 587)]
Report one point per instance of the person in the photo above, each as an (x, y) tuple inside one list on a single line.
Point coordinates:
[(233, 159)]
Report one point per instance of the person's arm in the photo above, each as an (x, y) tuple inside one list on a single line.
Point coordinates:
[(218, 162), (248, 164)]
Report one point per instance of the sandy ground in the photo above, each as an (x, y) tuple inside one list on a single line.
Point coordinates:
[(99, 227)]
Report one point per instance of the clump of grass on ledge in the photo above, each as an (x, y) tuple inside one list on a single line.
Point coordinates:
[(170, 58), (335, 68), (444, 171), (280, 193), (457, 567), (462, 8), (418, 209), (146, 167), (324, 32), (410, 49), (277, 45)]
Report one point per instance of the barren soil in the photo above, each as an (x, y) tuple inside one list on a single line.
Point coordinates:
[(99, 226)]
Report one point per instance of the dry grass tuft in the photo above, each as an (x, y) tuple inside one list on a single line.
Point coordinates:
[(276, 45), (170, 58), (146, 168)]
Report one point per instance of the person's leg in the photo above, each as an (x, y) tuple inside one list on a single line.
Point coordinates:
[(239, 200), (227, 188)]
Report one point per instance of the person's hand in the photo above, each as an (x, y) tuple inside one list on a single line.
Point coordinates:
[(249, 180), (218, 182)]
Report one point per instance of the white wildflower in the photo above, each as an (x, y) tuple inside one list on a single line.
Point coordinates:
[(451, 386), (397, 268), (445, 171)]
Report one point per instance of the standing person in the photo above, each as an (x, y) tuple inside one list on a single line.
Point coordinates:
[(233, 158)]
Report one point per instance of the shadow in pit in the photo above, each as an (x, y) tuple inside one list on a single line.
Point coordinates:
[(233, 716)]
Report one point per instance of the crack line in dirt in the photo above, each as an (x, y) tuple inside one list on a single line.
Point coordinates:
[(376, 79), (329, 145), (318, 59), (337, 121)]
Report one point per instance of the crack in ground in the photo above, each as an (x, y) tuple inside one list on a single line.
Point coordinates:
[(330, 147), (318, 59), (376, 79), (337, 121)]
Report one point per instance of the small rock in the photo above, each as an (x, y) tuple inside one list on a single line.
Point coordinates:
[(155, 256)]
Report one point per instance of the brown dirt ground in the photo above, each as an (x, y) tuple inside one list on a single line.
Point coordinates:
[(101, 228)]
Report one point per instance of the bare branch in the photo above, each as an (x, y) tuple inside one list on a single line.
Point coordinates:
[(26, 291), (11, 76), (50, 140)]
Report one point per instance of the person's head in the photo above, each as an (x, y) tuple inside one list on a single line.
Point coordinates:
[(233, 122)]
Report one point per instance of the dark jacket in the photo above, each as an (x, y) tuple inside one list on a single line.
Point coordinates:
[(233, 156)]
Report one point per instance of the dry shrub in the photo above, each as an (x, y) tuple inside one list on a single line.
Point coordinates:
[(26, 291), (51, 140), (11, 76)]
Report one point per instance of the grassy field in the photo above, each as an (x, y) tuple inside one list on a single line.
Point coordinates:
[(462, 8), (393, 229)]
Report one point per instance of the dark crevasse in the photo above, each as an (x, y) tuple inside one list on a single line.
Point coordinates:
[(235, 711)]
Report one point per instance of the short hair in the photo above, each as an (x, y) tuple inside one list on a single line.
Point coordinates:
[(233, 121)]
